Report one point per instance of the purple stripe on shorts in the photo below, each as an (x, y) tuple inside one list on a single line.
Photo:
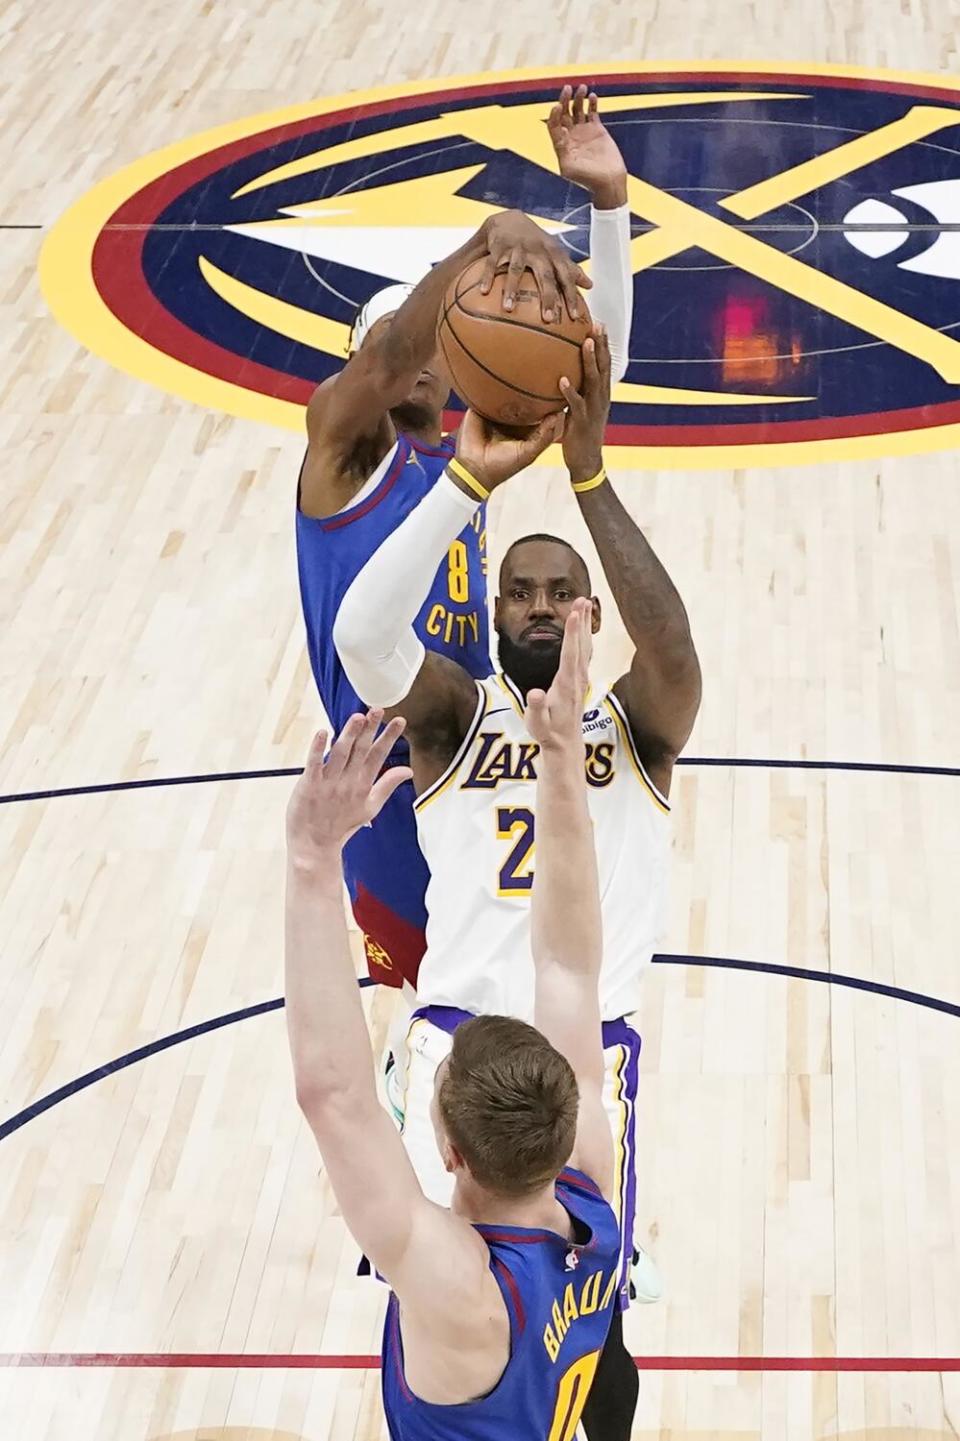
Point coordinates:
[(448, 1018), (445, 1018), (628, 1210)]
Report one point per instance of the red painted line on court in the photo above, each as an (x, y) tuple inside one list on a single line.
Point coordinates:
[(172, 1361)]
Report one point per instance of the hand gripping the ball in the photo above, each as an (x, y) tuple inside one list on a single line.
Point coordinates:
[(493, 456), (587, 410)]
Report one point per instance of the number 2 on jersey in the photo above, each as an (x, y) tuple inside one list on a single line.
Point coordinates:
[(514, 823), (572, 1395)]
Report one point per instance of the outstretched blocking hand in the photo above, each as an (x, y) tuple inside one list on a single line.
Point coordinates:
[(586, 152), (332, 799), (554, 718), (516, 243)]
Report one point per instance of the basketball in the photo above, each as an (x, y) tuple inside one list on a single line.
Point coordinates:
[(507, 365)]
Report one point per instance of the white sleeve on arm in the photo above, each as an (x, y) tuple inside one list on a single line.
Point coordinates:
[(611, 299), (380, 651)]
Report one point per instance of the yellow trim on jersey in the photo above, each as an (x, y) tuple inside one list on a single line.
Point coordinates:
[(623, 725), (510, 690), (442, 781)]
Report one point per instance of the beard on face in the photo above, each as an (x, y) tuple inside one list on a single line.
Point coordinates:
[(531, 665)]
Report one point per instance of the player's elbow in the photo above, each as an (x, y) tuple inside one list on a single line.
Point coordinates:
[(381, 668), (355, 627), (309, 1096), (677, 659), (682, 670), (326, 1101), (310, 1084)]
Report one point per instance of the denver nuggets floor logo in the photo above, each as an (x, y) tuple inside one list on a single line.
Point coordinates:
[(796, 249)]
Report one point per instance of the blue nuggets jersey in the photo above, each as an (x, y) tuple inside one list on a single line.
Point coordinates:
[(560, 1298), (385, 871)]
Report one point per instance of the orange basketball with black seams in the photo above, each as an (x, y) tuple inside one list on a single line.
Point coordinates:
[(507, 364)]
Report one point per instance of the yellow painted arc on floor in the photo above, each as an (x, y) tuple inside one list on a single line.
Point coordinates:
[(307, 328), (74, 300), (427, 200), (444, 127), (303, 326), (636, 394)]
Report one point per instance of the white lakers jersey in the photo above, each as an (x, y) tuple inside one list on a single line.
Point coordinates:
[(477, 831)]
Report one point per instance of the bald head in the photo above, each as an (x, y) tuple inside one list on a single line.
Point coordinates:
[(513, 562)]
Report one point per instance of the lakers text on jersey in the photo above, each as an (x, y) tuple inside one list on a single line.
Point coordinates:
[(477, 831)]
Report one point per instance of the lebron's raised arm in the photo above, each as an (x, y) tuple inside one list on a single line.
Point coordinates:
[(660, 693), (349, 425), (566, 929), (384, 659)]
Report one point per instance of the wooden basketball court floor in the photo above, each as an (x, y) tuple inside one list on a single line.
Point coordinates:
[(171, 1264)]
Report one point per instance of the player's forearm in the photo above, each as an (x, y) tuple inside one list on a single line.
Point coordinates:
[(329, 1041), (373, 631), (411, 337), (611, 299), (649, 604), (566, 927)]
